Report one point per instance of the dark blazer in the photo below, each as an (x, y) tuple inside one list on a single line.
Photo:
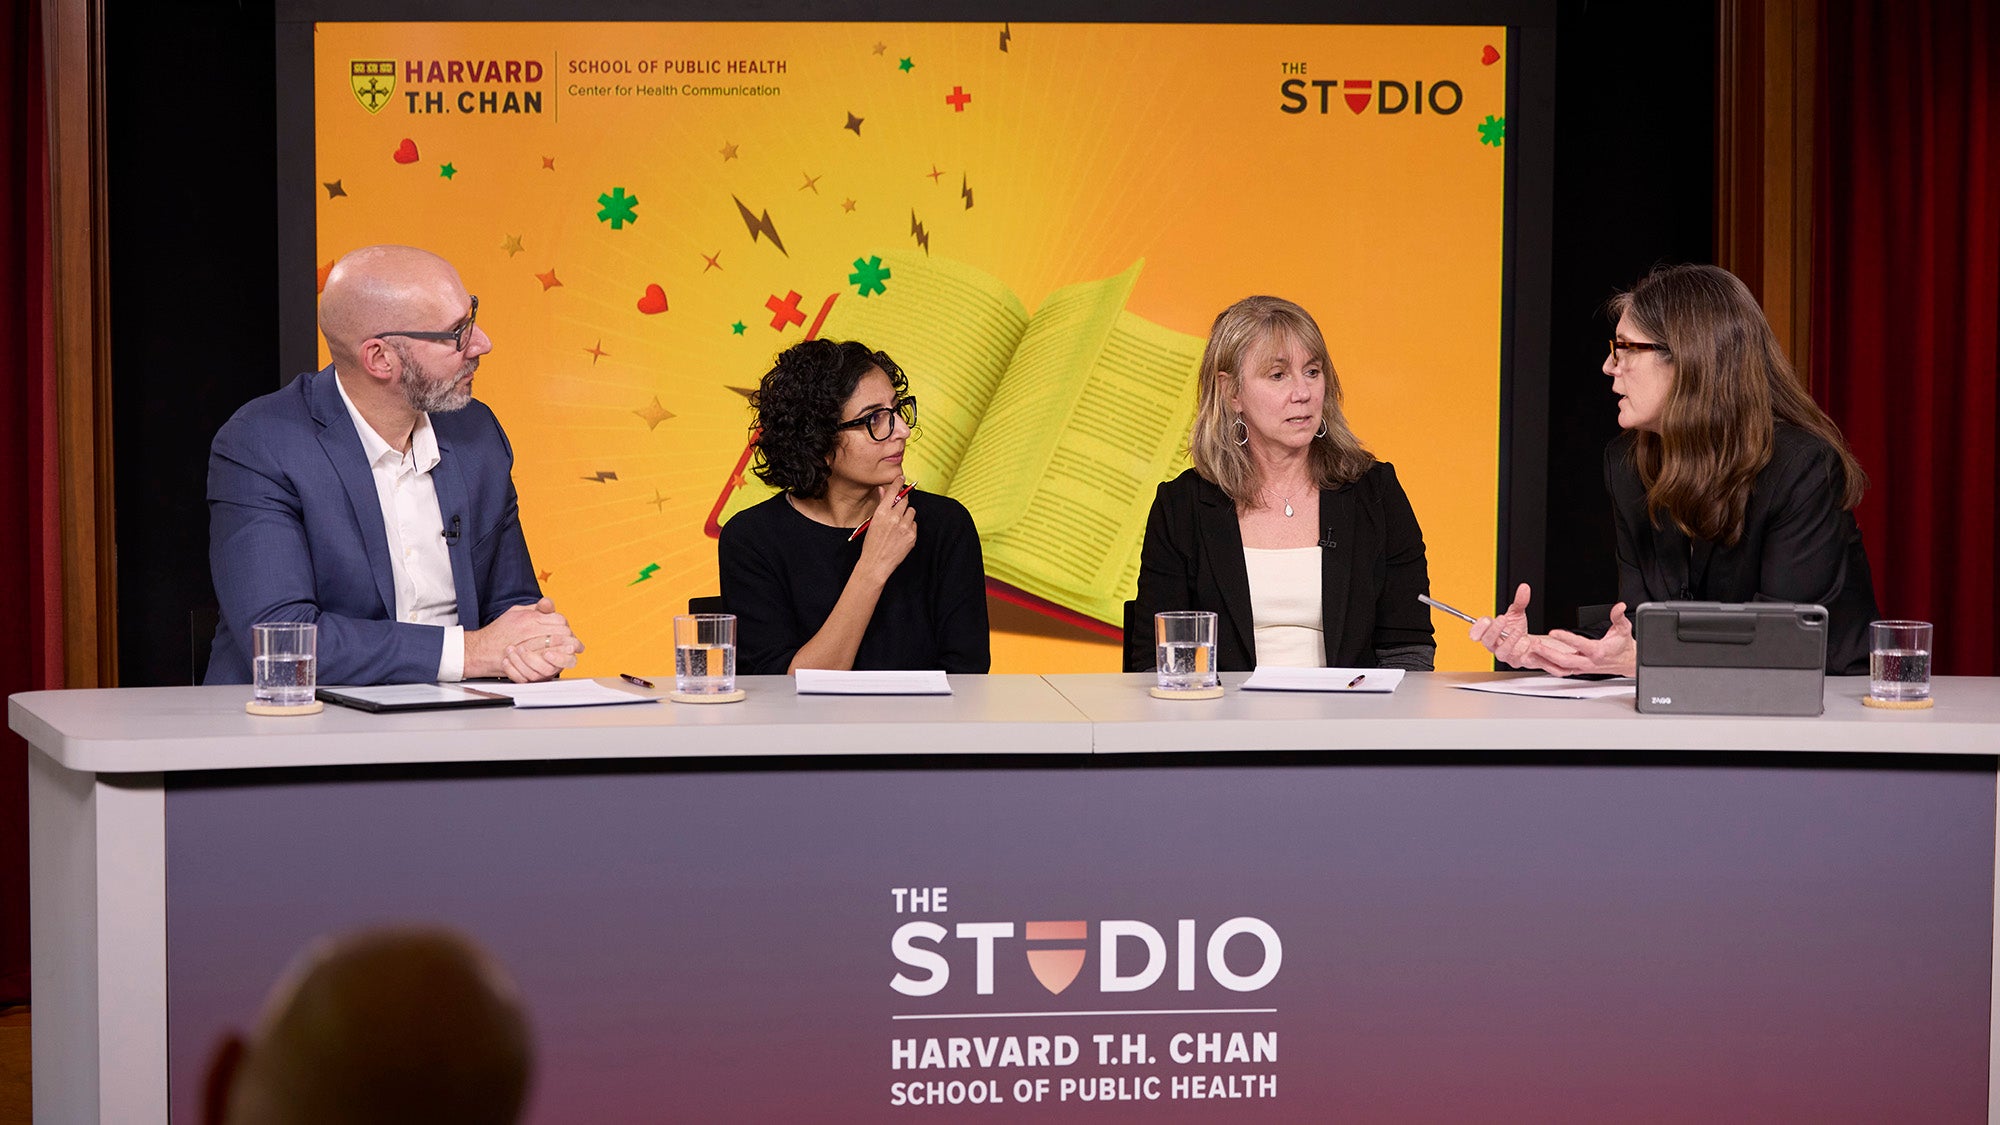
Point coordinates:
[(1799, 545), (295, 533), (1371, 570)]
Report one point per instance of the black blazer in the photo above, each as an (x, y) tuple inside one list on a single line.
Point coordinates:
[(1798, 545), (1371, 570)]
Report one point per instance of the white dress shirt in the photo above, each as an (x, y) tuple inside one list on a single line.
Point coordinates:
[(419, 556), (1284, 606)]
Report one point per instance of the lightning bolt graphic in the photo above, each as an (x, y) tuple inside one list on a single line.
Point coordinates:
[(965, 190), (601, 477), (645, 572), (1006, 33), (917, 228), (761, 224)]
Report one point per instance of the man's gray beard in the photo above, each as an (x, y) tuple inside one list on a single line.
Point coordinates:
[(441, 397)]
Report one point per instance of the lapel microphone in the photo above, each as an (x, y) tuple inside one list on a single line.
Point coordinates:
[(451, 533)]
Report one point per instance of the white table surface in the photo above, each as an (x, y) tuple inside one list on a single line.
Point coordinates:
[(150, 730), (146, 730), (1427, 713)]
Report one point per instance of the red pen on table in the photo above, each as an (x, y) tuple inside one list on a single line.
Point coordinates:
[(856, 534)]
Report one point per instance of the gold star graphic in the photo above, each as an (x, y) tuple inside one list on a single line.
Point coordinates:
[(847, 205), (548, 279), (549, 162), (545, 575), (511, 244), (714, 263), (881, 47), (811, 182), (654, 413), (934, 173), (596, 352), (728, 152), (658, 501)]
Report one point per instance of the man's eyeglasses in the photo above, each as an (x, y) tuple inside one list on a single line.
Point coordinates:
[(1620, 347), (457, 334), (882, 423)]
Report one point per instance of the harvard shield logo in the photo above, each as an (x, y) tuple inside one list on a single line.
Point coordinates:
[(372, 81)]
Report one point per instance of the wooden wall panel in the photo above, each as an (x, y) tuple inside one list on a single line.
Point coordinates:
[(1764, 135), (74, 55)]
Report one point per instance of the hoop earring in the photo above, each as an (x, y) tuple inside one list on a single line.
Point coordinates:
[(1322, 429), (1242, 432)]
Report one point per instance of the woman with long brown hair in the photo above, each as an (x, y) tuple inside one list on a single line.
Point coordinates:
[(1287, 528), (1729, 483)]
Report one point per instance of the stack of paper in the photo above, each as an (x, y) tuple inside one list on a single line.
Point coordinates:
[(820, 681)]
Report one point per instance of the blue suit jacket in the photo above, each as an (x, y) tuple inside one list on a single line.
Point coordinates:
[(295, 533)]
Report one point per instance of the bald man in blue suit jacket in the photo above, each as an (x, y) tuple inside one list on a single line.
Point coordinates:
[(313, 518)]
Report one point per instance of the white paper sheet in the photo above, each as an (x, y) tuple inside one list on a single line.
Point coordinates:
[(566, 693), (1556, 687), (820, 681), (1342, 680)]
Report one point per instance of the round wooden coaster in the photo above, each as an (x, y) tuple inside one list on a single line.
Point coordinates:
[(256, 708), (1898, 704), (1190, 693), (736, 696)]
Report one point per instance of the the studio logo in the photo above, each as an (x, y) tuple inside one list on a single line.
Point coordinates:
[(1132, 956), (372, 81), (1389, 97)]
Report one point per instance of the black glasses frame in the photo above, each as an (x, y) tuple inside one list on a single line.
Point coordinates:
[(458, 334), (1618, 347), (884, 418)]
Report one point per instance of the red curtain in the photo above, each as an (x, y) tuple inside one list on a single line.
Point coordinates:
[(1906, 300), (30, 552)]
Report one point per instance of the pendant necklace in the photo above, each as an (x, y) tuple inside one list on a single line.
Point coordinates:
[(1286, 499)]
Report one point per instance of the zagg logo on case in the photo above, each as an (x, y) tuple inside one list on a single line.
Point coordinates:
[(1663, 701)]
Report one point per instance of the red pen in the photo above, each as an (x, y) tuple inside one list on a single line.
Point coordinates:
[(856, 534)]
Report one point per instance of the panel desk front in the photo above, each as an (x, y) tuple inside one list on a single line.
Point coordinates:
[(1057, 899)]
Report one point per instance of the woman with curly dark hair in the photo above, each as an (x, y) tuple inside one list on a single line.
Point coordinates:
[(831, 423)]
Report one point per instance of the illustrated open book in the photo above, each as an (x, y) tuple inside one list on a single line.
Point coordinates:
[(1053, 429)]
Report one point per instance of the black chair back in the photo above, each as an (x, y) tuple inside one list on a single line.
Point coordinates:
[(709, 604)]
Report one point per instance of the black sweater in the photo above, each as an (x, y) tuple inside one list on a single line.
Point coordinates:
[(782, 573)]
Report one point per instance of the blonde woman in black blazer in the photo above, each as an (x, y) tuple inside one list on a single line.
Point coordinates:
[(1287, 527)]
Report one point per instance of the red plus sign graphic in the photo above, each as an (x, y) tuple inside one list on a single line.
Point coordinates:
[(958, 97), (785, 311)]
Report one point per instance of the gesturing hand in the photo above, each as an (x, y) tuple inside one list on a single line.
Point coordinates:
[(1617, 654), (892, 532), (1508, 639)]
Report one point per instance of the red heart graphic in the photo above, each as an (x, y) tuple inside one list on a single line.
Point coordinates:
[(1489, 56), (655, 300), (406, 153)]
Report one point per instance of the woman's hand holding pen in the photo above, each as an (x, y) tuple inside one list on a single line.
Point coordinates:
[(892, 532), (1508, 639)]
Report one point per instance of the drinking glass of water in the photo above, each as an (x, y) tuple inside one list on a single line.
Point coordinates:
[(705, 654), (1184, 642), (1899, 660), (284, 661)]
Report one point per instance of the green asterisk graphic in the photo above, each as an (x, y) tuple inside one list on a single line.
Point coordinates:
[(619, 208), (869, 274), (1493, 130), (736, 329)]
